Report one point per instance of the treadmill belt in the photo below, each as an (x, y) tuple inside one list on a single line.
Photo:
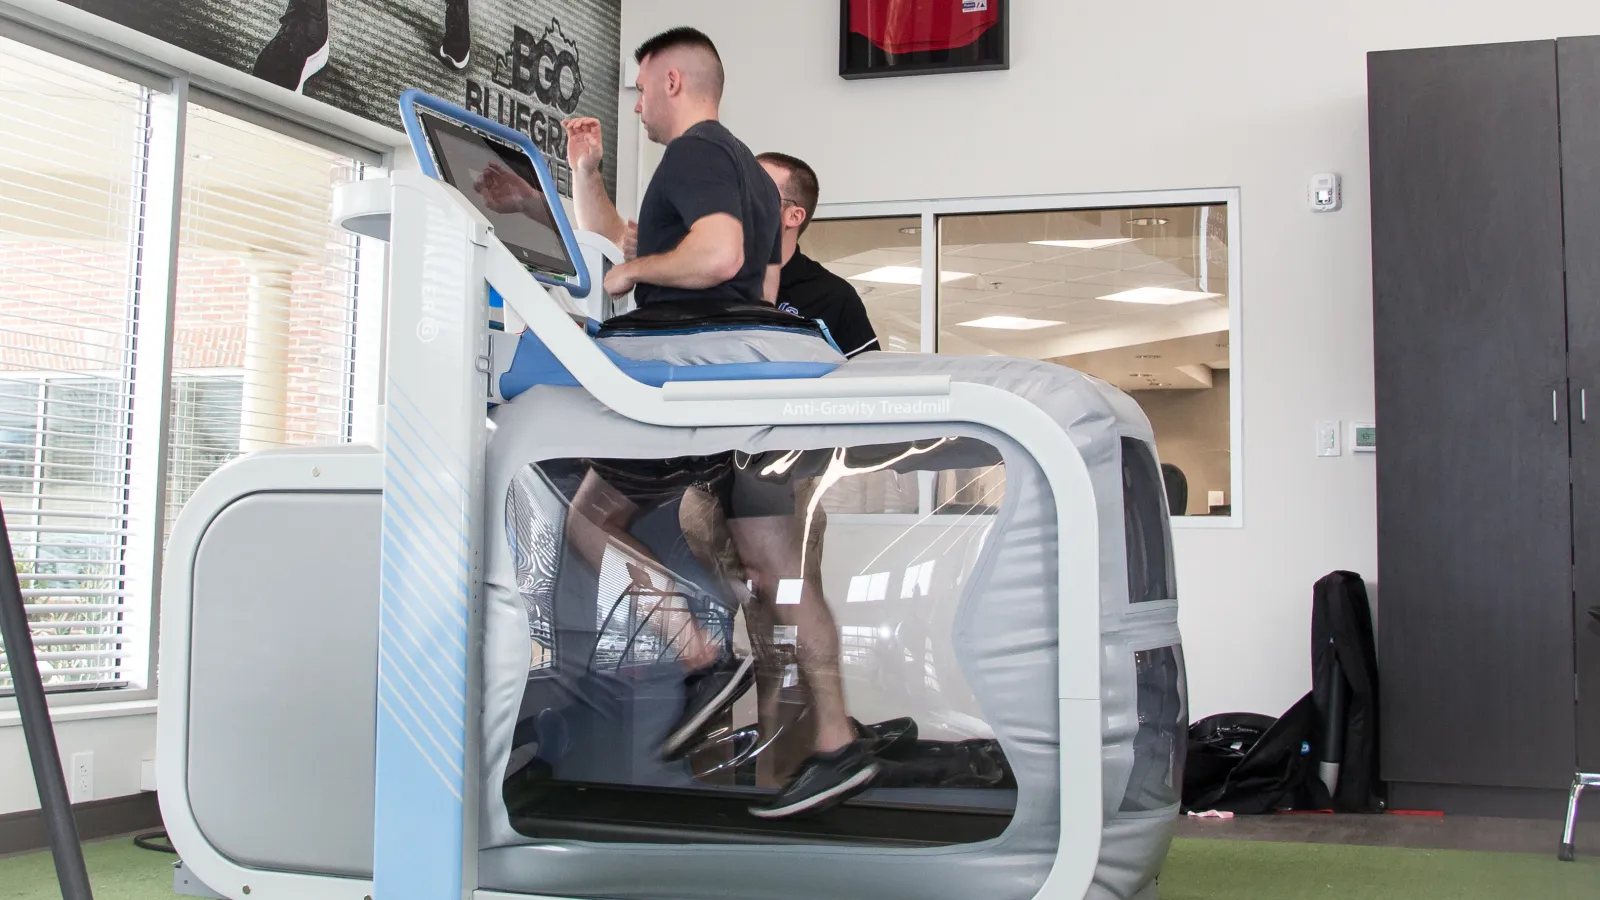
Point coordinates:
[(550, 810)]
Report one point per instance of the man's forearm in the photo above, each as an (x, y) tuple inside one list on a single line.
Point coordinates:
[(596, 212), (678, 269), (710, 254)]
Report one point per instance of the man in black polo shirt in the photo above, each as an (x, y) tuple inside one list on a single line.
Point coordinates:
[(709, 235), (805, 287)]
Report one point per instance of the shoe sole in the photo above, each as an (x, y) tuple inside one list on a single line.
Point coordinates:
[(313, 65), (839, 793), (730, 694), (451, 61)]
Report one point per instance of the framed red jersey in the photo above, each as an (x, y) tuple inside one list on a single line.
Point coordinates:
[(879, 38)]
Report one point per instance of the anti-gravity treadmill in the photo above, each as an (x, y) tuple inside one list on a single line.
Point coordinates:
[(393, 672)]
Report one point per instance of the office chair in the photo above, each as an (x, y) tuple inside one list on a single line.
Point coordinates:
[(1580, 782), (1177, 489)]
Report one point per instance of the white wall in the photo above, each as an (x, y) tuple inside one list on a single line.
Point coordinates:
[(1144, 96), (120, 745)]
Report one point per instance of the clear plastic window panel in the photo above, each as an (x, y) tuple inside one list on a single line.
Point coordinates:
[(641, 575), (1151, 574), (1160, 744)]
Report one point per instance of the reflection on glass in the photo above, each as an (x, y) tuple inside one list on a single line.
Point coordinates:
[(882, 259), (636, 573), (1156, 781), (1136, 297), (1151, 574)]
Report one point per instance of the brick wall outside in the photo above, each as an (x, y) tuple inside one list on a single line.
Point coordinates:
[(63, 310)]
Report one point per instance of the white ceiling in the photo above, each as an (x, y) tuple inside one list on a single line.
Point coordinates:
[(1135, 346)]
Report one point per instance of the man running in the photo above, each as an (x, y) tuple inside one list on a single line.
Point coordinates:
[(709, 233)]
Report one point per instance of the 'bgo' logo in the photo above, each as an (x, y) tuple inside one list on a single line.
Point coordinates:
[(546, 67)]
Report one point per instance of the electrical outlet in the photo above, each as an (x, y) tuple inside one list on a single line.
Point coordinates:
[(81, 784), (147, 775)]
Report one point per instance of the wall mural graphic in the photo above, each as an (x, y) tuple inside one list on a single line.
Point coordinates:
[(528, 64)]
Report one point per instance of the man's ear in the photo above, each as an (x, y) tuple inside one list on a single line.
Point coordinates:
[(674, 82), (794, 217)]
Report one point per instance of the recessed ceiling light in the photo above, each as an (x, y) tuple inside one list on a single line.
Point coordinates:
[(1149, 221), (203, 157), (911, 229), (1148, 356), (1010, 323), (904, 275), (1094, 244), (1158, 296)]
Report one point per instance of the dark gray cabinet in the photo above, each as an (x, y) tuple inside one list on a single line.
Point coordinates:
[(1486, 304)]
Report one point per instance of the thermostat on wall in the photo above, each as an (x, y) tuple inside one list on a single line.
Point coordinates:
[(1324, 193), (1363, 437)]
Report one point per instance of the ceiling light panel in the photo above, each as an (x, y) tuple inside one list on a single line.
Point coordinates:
[(1158, 296), (1092, 244), (1010, 323), (910, 275)]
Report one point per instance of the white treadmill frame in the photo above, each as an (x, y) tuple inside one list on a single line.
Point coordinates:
[(443, 256)]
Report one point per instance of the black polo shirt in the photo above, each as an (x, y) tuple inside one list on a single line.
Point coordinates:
[(809, 290)]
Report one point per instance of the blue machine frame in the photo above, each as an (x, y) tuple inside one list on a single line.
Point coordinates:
[(413, 100)]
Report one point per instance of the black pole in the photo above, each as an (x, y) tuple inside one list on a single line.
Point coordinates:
[(38, 731)]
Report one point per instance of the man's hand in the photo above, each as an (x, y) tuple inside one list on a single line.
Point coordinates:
[(502, 190), (630, 241), (620, 280), (585, 147)]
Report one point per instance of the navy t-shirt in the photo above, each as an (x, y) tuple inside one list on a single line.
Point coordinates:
[(706, 171)]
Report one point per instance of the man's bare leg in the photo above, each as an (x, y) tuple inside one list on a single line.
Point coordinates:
[(772, 548), (599, 520)]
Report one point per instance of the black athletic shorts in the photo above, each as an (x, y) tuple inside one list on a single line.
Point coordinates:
[(733, 478)]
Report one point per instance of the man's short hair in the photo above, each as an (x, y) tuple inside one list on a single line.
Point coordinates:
[(802, 189), (686, 37)]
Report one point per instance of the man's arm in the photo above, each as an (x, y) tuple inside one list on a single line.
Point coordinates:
[(596, 212), (702, 184), (710, 254)]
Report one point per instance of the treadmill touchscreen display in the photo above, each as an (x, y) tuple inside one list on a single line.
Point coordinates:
[(499, 179)]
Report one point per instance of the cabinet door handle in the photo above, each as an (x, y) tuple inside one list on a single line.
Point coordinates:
[(1555, 407), (1583, 405)]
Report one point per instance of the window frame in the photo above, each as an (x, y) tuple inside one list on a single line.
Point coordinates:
[(931, 211), (169, 95)]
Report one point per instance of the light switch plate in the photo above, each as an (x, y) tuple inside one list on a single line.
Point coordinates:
[(1328, 439)]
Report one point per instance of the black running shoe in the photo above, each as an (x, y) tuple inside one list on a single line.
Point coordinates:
[(456, 50), (710, 691), (823, 782), (300, 48), (892, 739)]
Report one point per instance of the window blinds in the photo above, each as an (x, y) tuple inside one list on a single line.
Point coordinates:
[(262, 345), (73, 146), (265, 319)]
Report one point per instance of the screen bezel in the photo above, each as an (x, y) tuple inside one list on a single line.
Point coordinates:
[(559, 268)]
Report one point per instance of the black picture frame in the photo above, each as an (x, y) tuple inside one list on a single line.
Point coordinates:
[(860, 59)]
